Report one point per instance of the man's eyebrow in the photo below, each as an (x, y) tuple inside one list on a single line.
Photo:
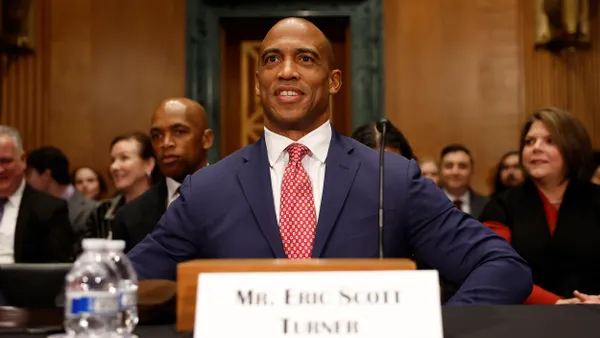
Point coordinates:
[(309, 51), (299, 51), (270, 51)]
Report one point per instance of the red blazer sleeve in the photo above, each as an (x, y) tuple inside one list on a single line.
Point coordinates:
[(541, 296), (538, 295), (500, 229)]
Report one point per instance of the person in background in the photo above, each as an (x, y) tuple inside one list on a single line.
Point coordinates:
[(132, 170), (596, 176), (457, 169), (395, 141), (48, 171), (552, 218), (34, 226), (180, 138), (509, 172), (89, 183), (430, 169)]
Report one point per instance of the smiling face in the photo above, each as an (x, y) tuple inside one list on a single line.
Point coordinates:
[(294, 77), (12, 166), (128, 168), (541, 157), (456, 171)]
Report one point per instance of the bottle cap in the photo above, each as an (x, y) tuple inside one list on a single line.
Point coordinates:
[(115, 244), (93, 243)]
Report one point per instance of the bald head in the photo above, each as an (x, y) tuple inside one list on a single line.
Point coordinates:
[(182, 105), (285, 26), (180, 137)]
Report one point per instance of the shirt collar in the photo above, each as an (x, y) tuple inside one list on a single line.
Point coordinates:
[(172, 186), (463, 198), (15, 199), (317, 142)]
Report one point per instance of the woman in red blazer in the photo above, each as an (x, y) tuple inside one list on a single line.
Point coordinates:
[(553, 219)]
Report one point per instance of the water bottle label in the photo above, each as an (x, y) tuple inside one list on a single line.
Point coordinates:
[(128, 299), (101, 303)]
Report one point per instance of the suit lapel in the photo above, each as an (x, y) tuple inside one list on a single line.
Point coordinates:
[(159, 205), (255, 179), (340, 171), (22, 222)]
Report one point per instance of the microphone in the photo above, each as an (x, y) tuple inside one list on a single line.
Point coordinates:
[(382, 129)]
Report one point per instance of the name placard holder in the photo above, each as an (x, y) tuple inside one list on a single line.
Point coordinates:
[(318, 304), (188, 283)]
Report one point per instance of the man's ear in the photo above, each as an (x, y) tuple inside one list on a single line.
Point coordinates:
[(335, 81), (256, 86), (208, 138)]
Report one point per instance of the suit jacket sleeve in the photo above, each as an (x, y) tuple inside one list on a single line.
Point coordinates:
[(462, 249), (60, 243), (171, 242)]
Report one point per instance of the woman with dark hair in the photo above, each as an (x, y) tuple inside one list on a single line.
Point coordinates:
[(509, 172), (89, 183), (132, 171), (552, 219), (395, 141)]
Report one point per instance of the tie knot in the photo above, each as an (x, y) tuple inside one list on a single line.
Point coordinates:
[(297, 151), (458, 203)]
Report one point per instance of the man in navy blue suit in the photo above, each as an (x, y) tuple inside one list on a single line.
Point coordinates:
[(305, 191)]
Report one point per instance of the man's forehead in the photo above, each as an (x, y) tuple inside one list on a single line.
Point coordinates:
[(290, 43), (6, 140), (457, 156)]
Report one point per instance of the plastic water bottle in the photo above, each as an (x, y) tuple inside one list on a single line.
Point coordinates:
[(92, 298), (127, 286)]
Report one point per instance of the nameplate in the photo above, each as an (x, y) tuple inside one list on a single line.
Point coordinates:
[(319, 304)]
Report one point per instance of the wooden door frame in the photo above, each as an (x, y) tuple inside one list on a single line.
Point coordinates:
[(366, 40)]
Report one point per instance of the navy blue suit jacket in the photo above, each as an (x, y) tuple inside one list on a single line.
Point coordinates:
[(226, 210)]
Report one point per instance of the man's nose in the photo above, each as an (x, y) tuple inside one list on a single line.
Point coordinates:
[(288, 70), (167, 141)]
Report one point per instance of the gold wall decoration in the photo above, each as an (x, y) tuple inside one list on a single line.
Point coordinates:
[(562, 24), (251, 114)]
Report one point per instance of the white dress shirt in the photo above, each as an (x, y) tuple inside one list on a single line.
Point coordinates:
[(172, 192), (8, 224), (466, 205), (317, 142)]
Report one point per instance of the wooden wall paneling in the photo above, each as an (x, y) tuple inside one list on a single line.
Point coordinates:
[(453, 76), (111, 63)]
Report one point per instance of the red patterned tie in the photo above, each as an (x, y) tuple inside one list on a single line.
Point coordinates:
[(297, 216)]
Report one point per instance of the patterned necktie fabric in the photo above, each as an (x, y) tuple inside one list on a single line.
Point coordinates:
[(297, 215)]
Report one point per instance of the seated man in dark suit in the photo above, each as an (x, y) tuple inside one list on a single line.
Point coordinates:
[(456, 172), (304, 191), (48, 171), (34, 226), (180, 138)]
